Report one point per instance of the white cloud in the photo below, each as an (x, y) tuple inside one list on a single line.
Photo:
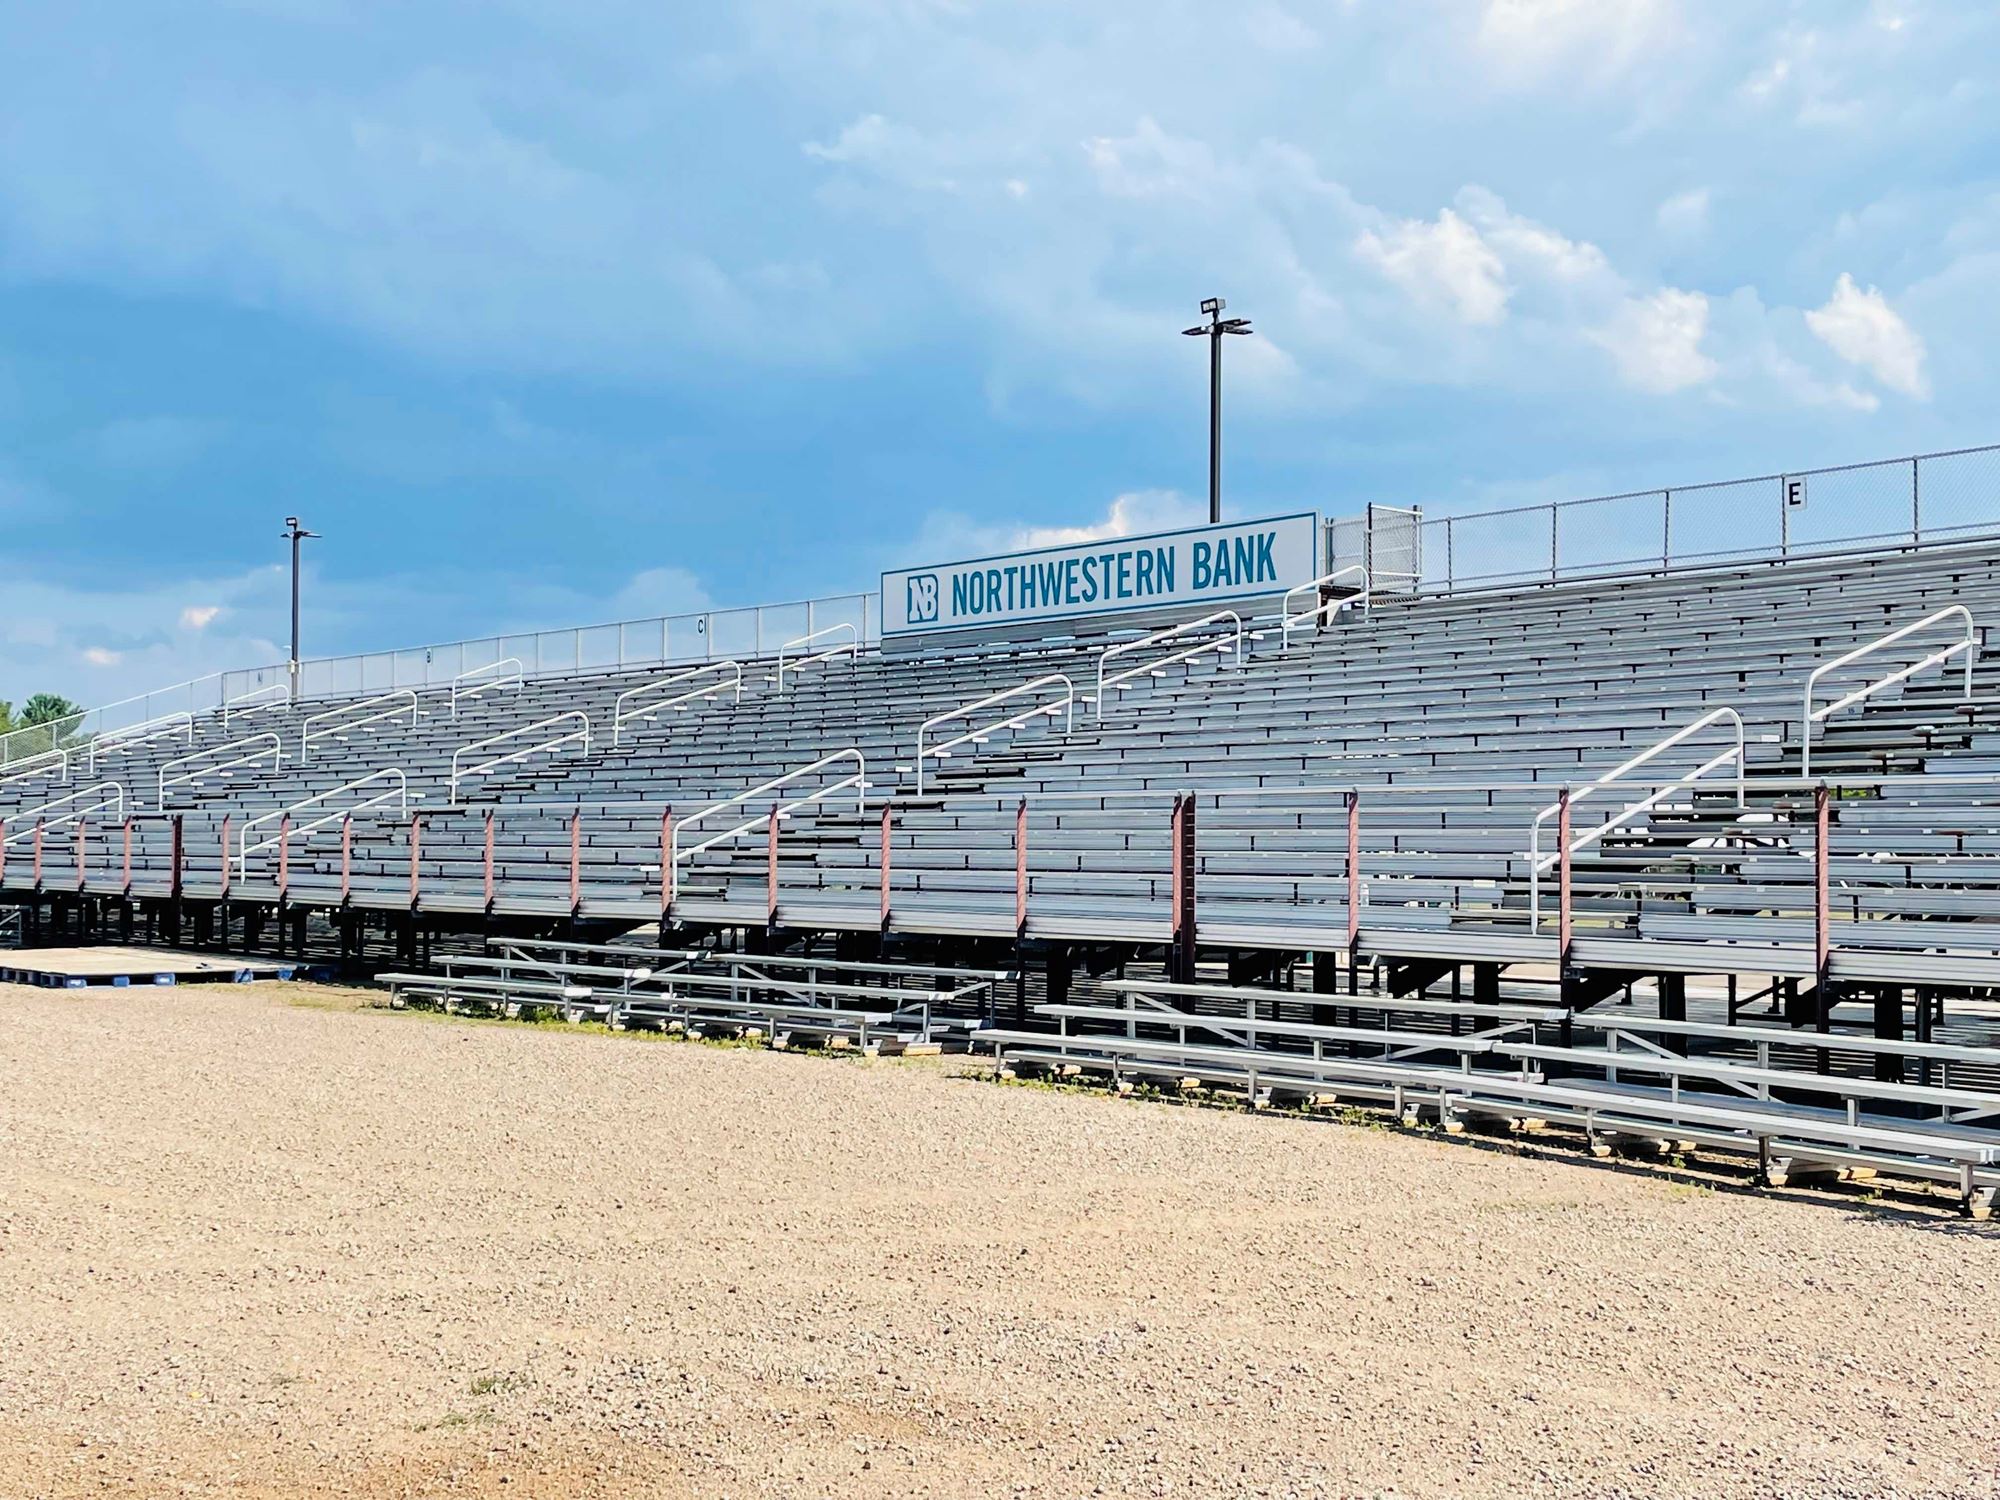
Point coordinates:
[(1590, 39), (1443, 264), (946, 533), (1133, 514), (99, 656), (199, 616), (1277, 30), (1656, 341), (1685, 215), (1863, 329)]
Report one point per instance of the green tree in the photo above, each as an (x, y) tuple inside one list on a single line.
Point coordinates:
[(46, 708)]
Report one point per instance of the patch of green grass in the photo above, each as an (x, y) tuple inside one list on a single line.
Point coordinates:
[(498, 1383), (478, 1417)]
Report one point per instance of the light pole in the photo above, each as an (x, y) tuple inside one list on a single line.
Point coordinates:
[(1214, 329), (295, 533)]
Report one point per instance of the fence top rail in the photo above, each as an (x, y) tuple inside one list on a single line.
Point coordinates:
[(1710, 484)]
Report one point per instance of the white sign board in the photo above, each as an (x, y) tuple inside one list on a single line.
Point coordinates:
[(1202, 565)]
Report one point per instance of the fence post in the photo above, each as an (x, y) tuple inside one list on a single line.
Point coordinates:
[(1916, 503), (1555, 553), (1450, 575), (284, 855), (179, 846), (576, 861), (886, 811), (225, 860), (486, 863), (38, 852), (346, 856), (81, 824), (1020, 868), (125, 883), (771, 869), (1667, 529)]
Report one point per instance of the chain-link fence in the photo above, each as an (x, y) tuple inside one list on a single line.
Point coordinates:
[(1929, 498)]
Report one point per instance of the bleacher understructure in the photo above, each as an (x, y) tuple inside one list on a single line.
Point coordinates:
[(1706, 859)]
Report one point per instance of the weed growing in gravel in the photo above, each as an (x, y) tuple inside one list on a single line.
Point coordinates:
[(499, 1383)]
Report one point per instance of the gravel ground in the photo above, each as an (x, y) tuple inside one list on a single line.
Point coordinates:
[(257, 1241)]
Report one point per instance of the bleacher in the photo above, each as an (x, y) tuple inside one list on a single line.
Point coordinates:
[(1376, 794)]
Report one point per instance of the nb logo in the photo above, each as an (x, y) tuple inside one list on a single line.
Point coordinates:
[(922, 601)]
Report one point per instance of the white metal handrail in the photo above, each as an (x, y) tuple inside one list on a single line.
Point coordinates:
[(400, 794), (675, 853), (482, 683), (1809, 716), (275, 750), (1325, 606), (1539, 862), (1232, 639), (554, 743), (620, 715), (39, 814), (59, 761), (121, 740), (401, 698), (271, 695), (850, 647), (1065, 705)]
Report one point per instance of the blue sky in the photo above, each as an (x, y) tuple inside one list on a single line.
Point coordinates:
[(552, 311)]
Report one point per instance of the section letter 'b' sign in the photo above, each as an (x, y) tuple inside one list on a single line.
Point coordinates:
[(923, 598)]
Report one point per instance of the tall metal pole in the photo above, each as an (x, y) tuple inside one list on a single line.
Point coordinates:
[(296, 534), (1214, 330), (1214, 426)]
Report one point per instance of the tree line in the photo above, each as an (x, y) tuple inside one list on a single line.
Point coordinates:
[(42, 708)]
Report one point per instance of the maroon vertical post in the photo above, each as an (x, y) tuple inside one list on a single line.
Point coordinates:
[(666, 861), (885, 865), (486, 863), (1354, 891), (284, 855), (1184, 887), (576, 861), (225, 860), (179, 848), (38, 854), (1562, 880), (771, 869), (1020, 867), (416, 854), (1179, 879), (81, 824), (346, 856), (125, 880), (1822, 907)]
